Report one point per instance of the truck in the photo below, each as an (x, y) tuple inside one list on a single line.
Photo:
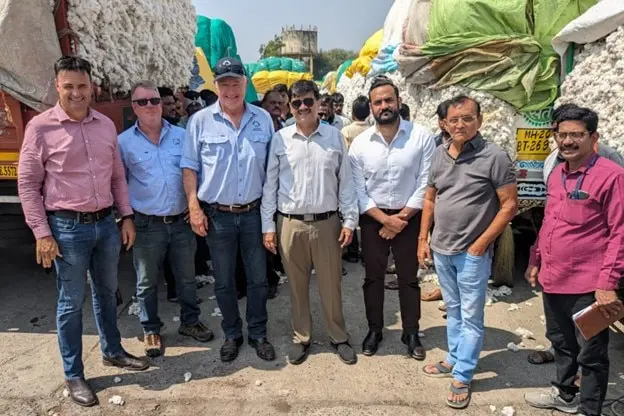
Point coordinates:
[(14, 116)]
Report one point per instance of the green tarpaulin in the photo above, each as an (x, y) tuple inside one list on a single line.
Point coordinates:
[(500, 46)]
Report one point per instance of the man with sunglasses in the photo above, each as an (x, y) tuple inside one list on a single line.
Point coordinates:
[(224, 162), (578, 259), (151, 151), (308, 181), (70, 175)]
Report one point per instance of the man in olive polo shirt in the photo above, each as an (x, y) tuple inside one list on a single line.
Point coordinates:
[(472, 194)]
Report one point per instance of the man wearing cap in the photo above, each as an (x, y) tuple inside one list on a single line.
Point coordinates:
[(151, 152), (224, 163)]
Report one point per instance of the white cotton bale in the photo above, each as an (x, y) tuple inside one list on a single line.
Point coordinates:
[(499, 117), (597, 82), (131, 40)]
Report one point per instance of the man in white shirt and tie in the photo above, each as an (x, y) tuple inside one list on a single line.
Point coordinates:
[(390, 163), (308, 180)]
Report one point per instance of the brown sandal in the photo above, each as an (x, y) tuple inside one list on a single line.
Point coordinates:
[(432, 296)]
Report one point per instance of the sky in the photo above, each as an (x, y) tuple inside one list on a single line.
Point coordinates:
[(341, 23)]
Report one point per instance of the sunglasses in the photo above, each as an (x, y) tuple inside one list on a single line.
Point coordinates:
[(309, 102), (142, 102)]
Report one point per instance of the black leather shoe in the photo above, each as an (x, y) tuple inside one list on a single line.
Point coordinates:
[(298, 353), (371, 343), (81, 392), (126, 361), (263, 348), (229, 349), (414, 347), (345, 352)]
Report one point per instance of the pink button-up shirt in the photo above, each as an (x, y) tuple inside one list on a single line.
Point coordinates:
[(580, 247), (69, 164)]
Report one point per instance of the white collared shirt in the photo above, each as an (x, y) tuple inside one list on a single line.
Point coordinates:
[(392, 176), (308, 175)]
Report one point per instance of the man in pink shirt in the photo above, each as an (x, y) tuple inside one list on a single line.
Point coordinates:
[(70, 175), (578, 259)]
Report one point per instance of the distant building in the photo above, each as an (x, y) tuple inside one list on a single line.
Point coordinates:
[(300, 43)]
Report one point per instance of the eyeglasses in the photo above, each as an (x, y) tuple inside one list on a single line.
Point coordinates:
[(466, 119), (309, 102), (572, 135), (142, 102)]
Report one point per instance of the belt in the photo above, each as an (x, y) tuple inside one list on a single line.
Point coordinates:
[(390, 211), (82, 217), (236, 209), (167, 219), (309, 217)]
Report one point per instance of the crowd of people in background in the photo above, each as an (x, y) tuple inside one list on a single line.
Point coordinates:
[(281, 186)]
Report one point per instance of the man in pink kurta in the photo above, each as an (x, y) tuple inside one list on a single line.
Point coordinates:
[(70, 176), (578, 259)]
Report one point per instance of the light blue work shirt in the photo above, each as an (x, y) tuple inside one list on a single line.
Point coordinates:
[(230, 162), (153, 170)]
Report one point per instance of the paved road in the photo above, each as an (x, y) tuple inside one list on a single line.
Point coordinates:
[(386, 384)]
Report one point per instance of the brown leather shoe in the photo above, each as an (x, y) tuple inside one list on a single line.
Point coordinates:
[(153, 345), (126, 361), (81, 392)]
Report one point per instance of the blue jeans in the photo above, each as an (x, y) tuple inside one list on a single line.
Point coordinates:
[(226, 233), (93, 247), (154, 239), (463, 280)]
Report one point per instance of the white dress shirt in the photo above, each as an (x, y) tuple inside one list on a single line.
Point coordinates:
[(392, 176), (308, 175)]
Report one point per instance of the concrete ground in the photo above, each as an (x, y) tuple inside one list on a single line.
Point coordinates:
[(386, 384)]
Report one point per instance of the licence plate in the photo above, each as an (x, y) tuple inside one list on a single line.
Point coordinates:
[(8, 171), (533, 144)]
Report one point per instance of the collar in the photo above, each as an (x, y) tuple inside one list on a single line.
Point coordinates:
[(61, 115), (166, 126), (320, 130), (477, 142), (216, 109), (591, 161), (403, 127)]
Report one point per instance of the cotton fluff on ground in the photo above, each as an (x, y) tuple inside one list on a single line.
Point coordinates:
[(131, 40), (499, 117), (597, 82)]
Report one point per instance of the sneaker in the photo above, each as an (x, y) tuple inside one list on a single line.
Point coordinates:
[(199, 332), (298, 353), (153, 345), (345, 352), (551, 400)]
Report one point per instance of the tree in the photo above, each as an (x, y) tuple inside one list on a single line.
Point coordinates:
[(330, 60), (272, 47)]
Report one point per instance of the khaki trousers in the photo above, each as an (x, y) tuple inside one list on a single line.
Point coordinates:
[(304, 245)]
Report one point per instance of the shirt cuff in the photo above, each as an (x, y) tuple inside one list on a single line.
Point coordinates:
[(268, 227), (607, 282), (415, 203), (350, 224), (125, 210), (41, 231), (189, 164), (367, 205), (534, 259)]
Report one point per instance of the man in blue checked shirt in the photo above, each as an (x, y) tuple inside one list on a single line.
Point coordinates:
[(224, 161), (151, 151)]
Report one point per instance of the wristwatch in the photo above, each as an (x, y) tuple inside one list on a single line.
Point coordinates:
[(125, 217)]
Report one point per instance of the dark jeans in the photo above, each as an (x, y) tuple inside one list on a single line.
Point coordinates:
[(571, 351), (353, 249), (93, 247), (156, 241), (273, 264), (227, 232), (375, 251), (202, 255)]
